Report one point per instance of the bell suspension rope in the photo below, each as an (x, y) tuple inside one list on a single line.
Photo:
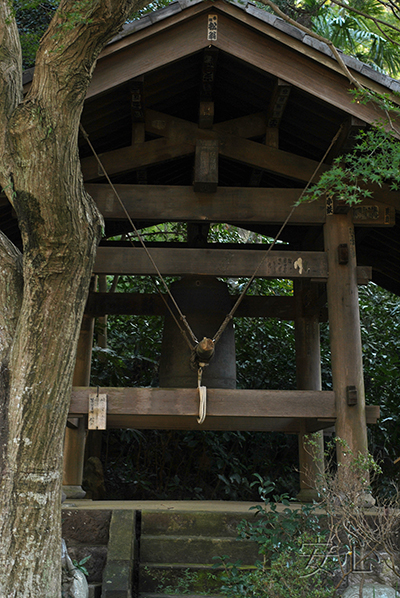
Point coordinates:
[(203, 351)]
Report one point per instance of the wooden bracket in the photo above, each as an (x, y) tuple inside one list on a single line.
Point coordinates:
[(73, 423), (351, 395), (97, 419), (343, 253)]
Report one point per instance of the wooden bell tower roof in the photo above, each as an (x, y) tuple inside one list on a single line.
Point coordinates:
[(241, 82), (258, 95)]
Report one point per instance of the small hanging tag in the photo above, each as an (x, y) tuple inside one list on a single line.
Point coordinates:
[(212, 27), (97, 412)]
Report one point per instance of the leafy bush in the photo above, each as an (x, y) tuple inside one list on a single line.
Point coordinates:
[(284, 537)]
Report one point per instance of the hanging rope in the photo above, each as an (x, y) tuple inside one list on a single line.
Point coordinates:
[(246, 288), (202, 395), (202, 352), (139, 236)]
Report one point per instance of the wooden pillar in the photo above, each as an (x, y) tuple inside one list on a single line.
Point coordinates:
[(74, 443), (94, 437), (345, 334), (308, 375)]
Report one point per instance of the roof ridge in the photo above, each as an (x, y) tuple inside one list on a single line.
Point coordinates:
[(273, 20)]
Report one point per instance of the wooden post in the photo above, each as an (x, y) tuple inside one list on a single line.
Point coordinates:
[(94, 437), (74, 443), (345, 334), (308, 375), (206, 166)]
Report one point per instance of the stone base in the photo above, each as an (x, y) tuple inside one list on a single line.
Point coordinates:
[(308, 495), (73, 492)]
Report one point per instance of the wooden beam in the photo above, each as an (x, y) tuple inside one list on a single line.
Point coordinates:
[(221, 402), (233, 204), (133, 157), (206, 115), (118, 67), (272, 159), (208, 72), (159, 123), (228, 204), (171, 408), (230, 146), (288, 60), (151, 304), (212, 262), (275, 111), (346, 139)]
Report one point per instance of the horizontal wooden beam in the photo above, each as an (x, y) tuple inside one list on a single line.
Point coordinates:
[(151, 304), (177, 408), (211, 262), (134, 156), (228, 204)]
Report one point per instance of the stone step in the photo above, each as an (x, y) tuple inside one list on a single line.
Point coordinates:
[(186, 578), (94, 590), (152, 595), (215, 524), (195, 549), (189, 577)]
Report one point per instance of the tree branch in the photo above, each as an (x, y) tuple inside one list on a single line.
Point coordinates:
[(10, 77), (69, 49), (326, 41)]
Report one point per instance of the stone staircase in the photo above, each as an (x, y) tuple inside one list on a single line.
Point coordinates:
[(159, 551), (177, 550)]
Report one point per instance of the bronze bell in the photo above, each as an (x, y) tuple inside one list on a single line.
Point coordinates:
[(205, 301)]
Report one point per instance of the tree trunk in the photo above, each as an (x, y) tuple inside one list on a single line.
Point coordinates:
[(60, 227)]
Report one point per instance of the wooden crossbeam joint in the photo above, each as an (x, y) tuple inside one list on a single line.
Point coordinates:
[(206, 166)]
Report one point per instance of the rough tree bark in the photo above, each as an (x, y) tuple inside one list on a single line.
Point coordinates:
[(43, 291)]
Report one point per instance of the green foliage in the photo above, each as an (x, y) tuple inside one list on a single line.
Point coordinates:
[(374, 160), (355, 34), (283, 536), (202, 583), (33, 18), (81, 564), (380, 333), (177, 465)]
